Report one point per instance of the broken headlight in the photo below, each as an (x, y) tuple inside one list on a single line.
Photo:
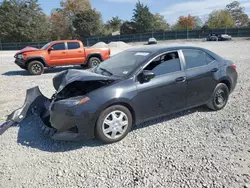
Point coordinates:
[(20, 56)]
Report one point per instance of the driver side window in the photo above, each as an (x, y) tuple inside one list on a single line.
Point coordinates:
[(59, 46), (164, 64)]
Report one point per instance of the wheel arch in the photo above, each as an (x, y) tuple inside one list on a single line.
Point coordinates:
[(96, 54), (227, 82), (124, 103), (37, 58), (128, 106)]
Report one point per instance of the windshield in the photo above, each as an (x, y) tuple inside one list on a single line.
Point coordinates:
[(121, 64), (45, 46)]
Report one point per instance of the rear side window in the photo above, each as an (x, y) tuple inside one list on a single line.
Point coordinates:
[(194, 58), (209, 59), (73, 45), (59, 46)]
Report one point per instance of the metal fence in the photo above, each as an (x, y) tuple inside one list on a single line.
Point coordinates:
[(140, 37)]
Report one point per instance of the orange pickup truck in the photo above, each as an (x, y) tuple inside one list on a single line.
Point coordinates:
[(59, 53)]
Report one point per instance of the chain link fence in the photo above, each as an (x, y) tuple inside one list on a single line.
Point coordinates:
[(140, 37)]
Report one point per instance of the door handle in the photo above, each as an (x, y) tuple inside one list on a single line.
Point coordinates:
[(180, 79), (63, 52), (214, 70)]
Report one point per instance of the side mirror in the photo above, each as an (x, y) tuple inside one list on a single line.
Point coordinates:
[(147, 75), (50, 49)]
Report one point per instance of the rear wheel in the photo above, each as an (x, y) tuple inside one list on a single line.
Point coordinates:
[(113, 124), (93, 62), (219, 98), (35, 68)]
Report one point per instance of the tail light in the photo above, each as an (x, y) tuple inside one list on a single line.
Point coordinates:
[(234, 66)]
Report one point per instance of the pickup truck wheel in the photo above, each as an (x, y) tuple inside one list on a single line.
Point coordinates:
[(93, 62), (35, 68)]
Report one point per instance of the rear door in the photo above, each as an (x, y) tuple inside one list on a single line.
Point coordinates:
[(57, 54), (201, 70), (75, 53)]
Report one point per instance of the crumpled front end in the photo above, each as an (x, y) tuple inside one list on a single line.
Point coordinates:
[(64, 116), (36, 104)]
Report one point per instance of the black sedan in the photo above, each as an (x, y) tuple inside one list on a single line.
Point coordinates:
[(131, 87)]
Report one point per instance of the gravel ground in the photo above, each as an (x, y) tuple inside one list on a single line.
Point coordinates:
[(194, 148)]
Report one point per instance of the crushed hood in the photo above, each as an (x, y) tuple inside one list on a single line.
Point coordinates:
[(61, 80), (27, 49)]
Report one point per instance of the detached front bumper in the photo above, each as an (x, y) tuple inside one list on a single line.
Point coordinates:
[(21, 63), (56, 119), (34, 103)]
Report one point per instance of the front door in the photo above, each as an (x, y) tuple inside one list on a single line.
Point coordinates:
[(166, 92), (57, 54), (201, 70)]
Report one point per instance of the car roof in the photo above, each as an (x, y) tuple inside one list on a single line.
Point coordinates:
[(65, 41), (159, 48)]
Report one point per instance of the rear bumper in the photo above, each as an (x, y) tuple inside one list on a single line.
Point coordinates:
[(20, 63), (234, 79)]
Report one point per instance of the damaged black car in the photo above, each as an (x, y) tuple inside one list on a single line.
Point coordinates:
[(131, 87)]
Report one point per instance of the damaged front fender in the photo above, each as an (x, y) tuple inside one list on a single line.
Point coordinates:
[(35, 104)]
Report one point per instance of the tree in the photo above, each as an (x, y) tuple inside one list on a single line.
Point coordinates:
[(59, 25), (114, 24), (185, 23), (72, 7), (198, 22), (237, 13), (88, 23), (22, 20), (128, 28), (143, 18), (159, 23), (220, 19)]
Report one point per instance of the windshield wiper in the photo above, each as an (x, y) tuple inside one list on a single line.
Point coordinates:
[(105, 70)]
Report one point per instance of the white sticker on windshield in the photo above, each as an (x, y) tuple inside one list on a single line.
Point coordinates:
[(142, 53), (125, 72)]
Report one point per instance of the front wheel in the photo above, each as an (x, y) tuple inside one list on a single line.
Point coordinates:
[(219, 98), (35, 68), (113, 124)]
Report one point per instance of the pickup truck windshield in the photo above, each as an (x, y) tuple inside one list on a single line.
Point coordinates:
[(121, 64), (45, 46)]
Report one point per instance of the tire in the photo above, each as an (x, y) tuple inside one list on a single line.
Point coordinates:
[(112, 134), (93, 61), (35, 68), (219, 98)]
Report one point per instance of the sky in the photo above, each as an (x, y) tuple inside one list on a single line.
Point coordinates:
[(171, 9)]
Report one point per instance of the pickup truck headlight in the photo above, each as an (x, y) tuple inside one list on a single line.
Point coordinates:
[(20, 56)]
